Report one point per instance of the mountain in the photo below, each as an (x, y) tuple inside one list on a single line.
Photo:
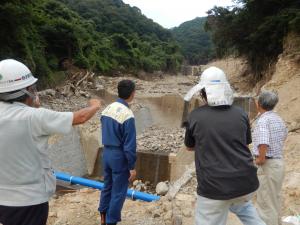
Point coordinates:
[(100, 35), (195, 42)]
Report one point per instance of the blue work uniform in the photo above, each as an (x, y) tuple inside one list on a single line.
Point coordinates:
[(119, 156)]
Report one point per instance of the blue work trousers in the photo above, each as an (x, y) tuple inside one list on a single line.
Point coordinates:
[(116, 174)]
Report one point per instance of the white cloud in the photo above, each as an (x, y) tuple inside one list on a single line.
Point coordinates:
[(170, 13)]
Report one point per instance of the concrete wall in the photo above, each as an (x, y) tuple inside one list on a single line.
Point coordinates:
[(91, 142), (153, 167), (191, 70), (166, 110), (179, 163), (66, 153), (248, 104), (143, 119), (75, 153), (149, 166)]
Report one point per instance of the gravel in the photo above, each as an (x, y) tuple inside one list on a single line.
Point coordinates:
[(160, 139)]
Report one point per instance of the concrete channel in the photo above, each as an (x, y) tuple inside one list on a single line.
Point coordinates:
[(80, 153)]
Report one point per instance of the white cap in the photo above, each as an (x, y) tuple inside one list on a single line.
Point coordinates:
[(216, 86)]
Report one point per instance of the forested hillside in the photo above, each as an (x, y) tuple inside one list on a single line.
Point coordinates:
[(254, 29), (101, 35), (195, 42)]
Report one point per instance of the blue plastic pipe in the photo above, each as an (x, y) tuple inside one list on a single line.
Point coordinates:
[(98, 185)]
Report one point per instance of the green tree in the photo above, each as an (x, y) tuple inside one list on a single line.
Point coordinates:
[(195, 42), (101, 35), (255, 29)]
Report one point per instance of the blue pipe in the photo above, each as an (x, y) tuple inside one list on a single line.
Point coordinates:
[(98, 185)]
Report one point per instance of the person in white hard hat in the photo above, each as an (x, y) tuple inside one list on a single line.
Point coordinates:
[(219, 133), (26, 178)]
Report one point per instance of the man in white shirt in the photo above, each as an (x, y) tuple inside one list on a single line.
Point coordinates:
[(269, 135), (26, 178)]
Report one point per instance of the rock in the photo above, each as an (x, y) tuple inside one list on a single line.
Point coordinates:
[(99, 87), (61, 222), (135, 183), (47, 92), (150, 209), (87, 190), (67, 92), (50, 92), (84, 94), (156, 213), (138, 187), (185, 197), (177, 220), (53, 214), (168, 216), (167, 206), (55, 196), (187, 212), (294, 127), (162, 188), (76, 199)]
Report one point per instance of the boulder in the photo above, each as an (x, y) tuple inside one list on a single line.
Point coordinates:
[(162, 188)]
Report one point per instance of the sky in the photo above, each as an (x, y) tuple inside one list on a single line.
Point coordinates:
[(171, 13)]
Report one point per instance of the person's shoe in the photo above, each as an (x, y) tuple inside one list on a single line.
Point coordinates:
[(102, 216)]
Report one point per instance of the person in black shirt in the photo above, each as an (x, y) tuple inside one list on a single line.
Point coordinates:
[(219, 133)]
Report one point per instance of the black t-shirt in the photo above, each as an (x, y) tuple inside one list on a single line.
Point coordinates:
[(224, 164)]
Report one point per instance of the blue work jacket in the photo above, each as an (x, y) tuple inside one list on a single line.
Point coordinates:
[(118, 130)]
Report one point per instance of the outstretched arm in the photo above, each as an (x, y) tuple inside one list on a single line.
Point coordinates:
[(83, 115)]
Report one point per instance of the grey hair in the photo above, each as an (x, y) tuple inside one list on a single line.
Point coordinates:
[(268, 100)]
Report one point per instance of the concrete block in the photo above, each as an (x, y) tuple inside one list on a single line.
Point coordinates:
[(66, 154), (91, 142)]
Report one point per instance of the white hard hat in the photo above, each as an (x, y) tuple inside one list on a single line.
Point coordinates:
[(213, 75), (15, 77), (216, 85)]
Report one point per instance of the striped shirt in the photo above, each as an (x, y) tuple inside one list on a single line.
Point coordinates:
[(270, 130)]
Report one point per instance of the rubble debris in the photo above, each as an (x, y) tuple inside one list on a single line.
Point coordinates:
[(181, 182), (47, 92), (160, 139), (138, 185)]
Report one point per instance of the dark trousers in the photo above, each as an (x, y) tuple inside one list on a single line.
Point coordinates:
[(116, 176), (24, 215)]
